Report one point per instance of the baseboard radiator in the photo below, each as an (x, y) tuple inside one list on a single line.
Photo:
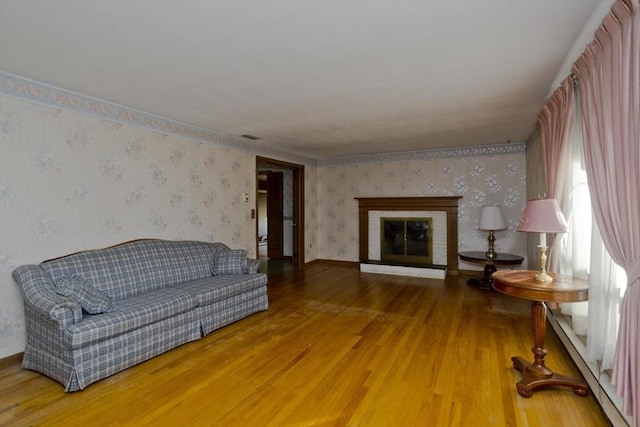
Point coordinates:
[(599, 383)]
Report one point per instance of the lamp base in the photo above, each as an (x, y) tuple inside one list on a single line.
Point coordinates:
[(543, 277), (491, 253)]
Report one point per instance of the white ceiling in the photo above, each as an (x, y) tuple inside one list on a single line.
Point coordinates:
[(321, 79)]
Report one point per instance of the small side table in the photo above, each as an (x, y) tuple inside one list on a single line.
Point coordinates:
[(522, 284), (479, 257)]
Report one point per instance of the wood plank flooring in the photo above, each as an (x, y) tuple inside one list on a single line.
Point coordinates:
[(336, 348)]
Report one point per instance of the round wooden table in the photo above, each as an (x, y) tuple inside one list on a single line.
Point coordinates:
[(479, 257), (521, 284)]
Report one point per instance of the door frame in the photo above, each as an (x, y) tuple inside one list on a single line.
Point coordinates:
[(298, 205)]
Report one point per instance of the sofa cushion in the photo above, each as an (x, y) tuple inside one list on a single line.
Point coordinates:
[(137, 267), (233, 261), (213, 289), (90, 299), (253, 266), (131, 313)]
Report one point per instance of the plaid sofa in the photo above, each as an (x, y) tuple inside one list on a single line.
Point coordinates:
[(94, 313)]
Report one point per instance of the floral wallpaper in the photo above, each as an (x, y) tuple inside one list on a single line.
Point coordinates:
[(481, 179), (71, 181)]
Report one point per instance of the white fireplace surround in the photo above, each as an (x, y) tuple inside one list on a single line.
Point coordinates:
[(438, 233), (439, 244)]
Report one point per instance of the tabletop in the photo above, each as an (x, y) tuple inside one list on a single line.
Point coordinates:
[(522, 284), (500, 259)]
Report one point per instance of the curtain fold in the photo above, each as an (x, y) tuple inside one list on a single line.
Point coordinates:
[(604, 303), (609, 74), (556, 123), (572, 249)]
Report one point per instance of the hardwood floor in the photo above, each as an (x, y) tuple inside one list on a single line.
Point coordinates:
[(336, 347)]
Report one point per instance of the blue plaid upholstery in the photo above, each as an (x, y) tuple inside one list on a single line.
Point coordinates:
[(217, 288), (164, 294), (253, 266), (40, 292), (105, 358), (90, 299), (229, 262), (227, 311), (132, 313), (138, 266)]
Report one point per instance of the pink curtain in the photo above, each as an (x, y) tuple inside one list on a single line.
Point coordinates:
[(555, 121), (609, 82)]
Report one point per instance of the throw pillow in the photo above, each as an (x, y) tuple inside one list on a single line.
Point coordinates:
[(90, 299), (233, 261)]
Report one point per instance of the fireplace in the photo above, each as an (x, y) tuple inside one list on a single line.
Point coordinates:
[(440, 243), (406, 241)]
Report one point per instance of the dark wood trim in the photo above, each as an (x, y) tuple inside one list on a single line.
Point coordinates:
[(446, 204), (298, 208), (14, 359), (298, 216), (469, 273), (333, 262)]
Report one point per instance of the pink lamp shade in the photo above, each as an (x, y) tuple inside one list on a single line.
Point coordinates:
[(543, 216)]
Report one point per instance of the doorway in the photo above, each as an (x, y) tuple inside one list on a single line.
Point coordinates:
[(280, 215)]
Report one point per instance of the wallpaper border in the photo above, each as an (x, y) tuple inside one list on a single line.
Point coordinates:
[(480, 150), (45, 94)]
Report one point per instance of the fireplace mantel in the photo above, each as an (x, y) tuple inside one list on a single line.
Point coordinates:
[(447, 204)]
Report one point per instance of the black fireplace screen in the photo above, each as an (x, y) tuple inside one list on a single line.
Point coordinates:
[(406, 241)]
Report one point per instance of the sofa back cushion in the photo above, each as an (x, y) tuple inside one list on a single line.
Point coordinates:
[(136, 267), (229, 262)]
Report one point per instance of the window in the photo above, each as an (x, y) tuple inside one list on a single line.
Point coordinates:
[(581, 253)]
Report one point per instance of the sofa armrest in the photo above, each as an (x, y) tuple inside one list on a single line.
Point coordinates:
[(40, 293), (253, 266)]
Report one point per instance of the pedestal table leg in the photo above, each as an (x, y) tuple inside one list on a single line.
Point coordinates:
[(487, 281), (536, 374)]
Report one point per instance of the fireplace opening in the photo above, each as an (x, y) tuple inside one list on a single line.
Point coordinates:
[(406, 241)]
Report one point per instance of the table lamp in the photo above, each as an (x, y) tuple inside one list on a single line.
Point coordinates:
[(543, 216), (491, 219)]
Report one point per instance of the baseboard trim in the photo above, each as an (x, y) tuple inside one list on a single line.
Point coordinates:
[(464, 273), (333, 262), (14, 359), (470, 273)]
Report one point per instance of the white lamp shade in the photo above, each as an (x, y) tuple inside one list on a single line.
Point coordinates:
[(543, 216), (491, 218)]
